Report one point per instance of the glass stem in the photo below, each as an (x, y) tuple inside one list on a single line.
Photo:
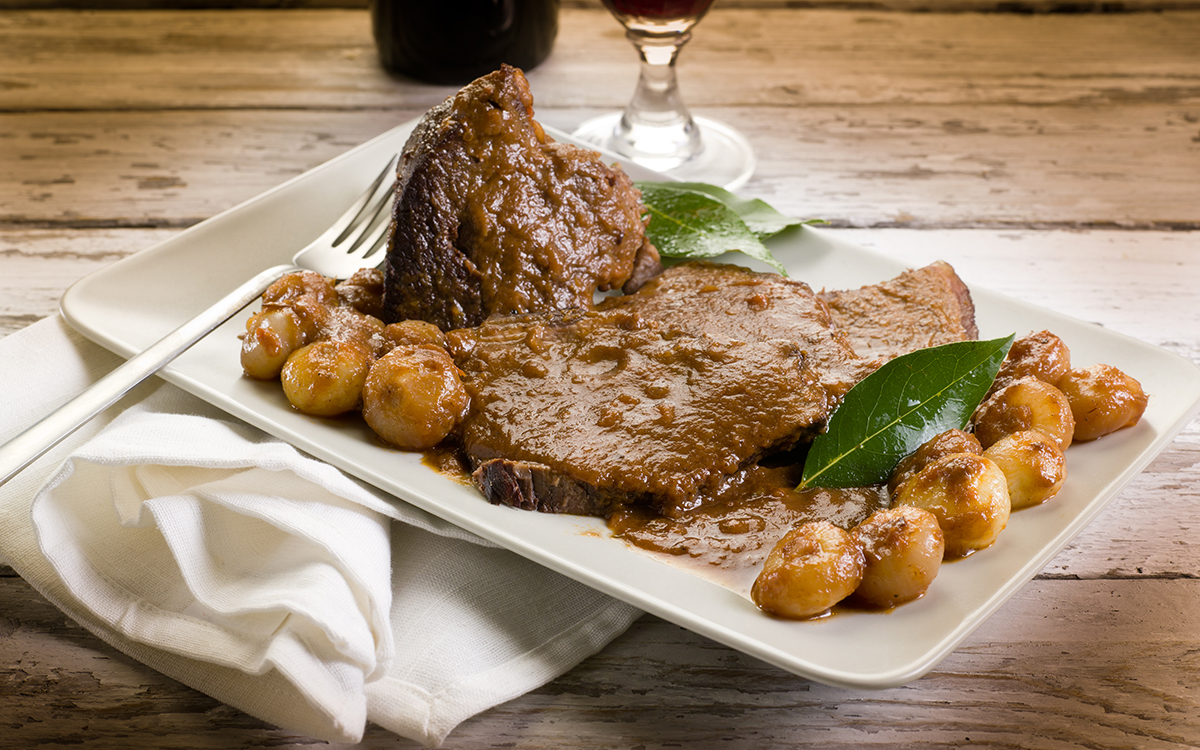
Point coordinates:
[(657, 124)]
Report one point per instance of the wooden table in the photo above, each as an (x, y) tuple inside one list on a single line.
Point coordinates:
[(1054, 157)]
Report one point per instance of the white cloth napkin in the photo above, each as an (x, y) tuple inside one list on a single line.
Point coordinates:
[(269, 580)]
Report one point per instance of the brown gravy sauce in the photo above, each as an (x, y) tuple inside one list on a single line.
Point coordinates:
[(727, 538), (449, 462)]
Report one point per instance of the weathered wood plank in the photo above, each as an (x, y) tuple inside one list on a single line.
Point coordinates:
[(163, 168), (929, 150), (39, 265), (929, 166), (326, 59), (877, 166), (60, 685), (1065, 663)]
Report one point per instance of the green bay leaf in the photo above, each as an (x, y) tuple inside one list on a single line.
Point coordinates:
[(900, 406), (758, 215), (691, 224)]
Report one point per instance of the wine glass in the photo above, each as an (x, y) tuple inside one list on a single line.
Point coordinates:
[(656, 130)]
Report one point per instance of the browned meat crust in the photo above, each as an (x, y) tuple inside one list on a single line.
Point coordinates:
[(919, 308), (529, 485), (491, 216)]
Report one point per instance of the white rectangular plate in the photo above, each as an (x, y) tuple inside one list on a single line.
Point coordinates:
[(128, 305)]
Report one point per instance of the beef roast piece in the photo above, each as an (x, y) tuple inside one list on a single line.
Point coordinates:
[(585, 411), (492, 216), (731, 302), (919, 308), (658, 398)]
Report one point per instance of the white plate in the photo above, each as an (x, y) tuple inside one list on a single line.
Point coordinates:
[(128, 305)]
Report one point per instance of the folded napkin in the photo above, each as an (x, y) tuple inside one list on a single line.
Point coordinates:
[(267, 579)]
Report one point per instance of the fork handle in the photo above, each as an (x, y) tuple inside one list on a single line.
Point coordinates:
[(27, 447)]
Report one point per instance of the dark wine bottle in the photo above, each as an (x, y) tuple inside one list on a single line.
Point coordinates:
[(456, 41)]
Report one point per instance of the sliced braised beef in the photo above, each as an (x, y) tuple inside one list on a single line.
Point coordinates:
[(657, 398), (492, 216), (582, 412), (919, 308), (735, 303)]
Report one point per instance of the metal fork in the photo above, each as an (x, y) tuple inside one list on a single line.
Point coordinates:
[(354, 241)]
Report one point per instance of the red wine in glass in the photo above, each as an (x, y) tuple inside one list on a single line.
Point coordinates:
[(661, 10), (656, 129)]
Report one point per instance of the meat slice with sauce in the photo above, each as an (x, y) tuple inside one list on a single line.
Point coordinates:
[(584, 411), (660, 398), (735, 303), (492, 216), (918, 309)]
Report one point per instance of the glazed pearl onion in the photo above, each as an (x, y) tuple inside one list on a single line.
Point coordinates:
[(1040, 355), (813, 567), (902, 551), (413, 397), (301, 288), (309, 296), (363, 291), (1103, 399), (1027, 404), (326, 378), (942, 444), (969, 496), (349, 325), (1033, 465), (414, 333), (271, 337)]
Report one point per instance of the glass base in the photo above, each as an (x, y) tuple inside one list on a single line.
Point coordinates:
[(725, 158)]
